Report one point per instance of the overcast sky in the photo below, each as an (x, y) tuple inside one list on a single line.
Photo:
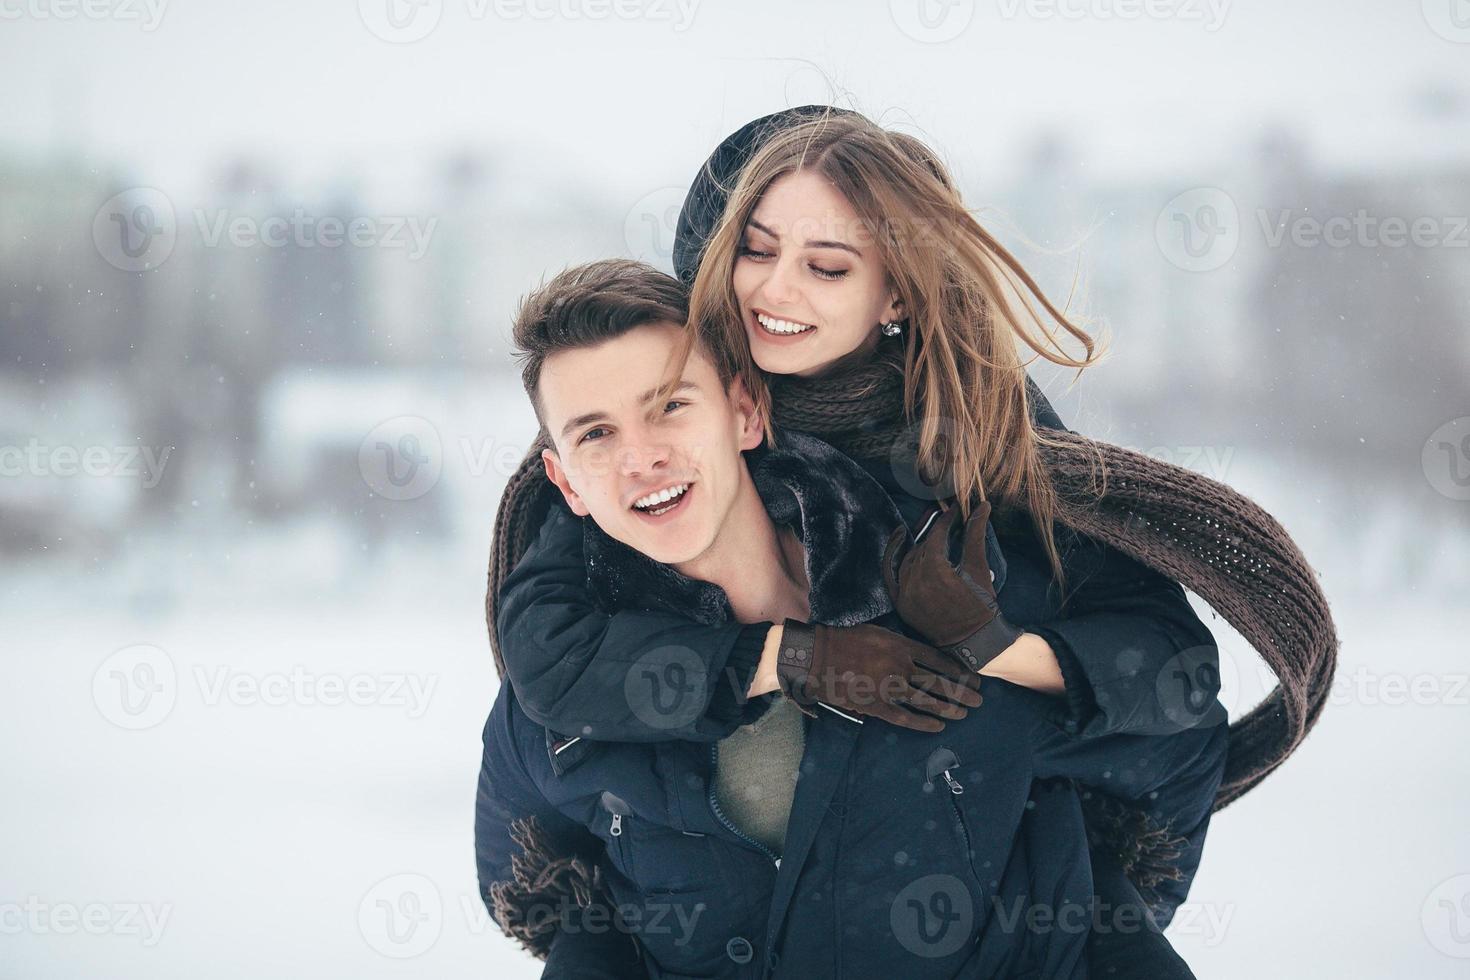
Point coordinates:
[(566, 86)]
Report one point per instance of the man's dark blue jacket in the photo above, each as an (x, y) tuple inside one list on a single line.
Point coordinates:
[(956, 854)]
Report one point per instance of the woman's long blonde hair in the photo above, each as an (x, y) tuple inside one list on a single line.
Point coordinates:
[(964, 295)]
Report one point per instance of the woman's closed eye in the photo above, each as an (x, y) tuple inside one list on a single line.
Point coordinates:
[(757, 255)]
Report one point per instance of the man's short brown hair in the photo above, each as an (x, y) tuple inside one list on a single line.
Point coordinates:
[(588, 304)]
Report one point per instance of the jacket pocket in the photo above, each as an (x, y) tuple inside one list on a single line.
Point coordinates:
[(619, 822), (939, 777)]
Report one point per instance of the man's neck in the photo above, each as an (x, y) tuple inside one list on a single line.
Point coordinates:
[(761, 567)]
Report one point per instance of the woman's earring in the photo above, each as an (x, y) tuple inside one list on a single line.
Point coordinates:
[(893, 328)]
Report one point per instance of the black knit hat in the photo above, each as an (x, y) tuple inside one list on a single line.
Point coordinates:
[(711, 188)]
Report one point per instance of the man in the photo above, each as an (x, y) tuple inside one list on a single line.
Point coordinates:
[(810, 842)]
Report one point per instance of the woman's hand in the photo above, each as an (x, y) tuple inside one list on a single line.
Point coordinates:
[(955, 609), (873, 671)]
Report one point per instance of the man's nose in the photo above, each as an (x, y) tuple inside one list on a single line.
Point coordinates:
[(643, 458)]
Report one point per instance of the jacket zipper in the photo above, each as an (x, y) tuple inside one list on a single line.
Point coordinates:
[(714, 761), (955, 789)]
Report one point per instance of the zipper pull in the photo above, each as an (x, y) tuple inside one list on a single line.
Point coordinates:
[(942, 760), (618, 809)]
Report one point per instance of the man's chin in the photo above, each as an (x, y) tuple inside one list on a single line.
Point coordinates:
[(668, 552), (667, 546)]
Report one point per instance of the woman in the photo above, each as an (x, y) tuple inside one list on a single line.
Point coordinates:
[(1114, 604), (832, 256)]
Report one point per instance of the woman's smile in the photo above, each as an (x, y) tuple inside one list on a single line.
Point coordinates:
[(776, 330)]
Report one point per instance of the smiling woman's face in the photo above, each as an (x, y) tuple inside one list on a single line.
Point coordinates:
[(811, 287)]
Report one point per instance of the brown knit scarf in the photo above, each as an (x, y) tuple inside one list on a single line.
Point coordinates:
[(1198, 532), (1215, 542)]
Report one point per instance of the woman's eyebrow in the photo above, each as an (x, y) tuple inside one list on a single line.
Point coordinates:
[(810, 243)]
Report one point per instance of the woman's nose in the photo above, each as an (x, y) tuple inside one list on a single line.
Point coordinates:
[(780, 287)]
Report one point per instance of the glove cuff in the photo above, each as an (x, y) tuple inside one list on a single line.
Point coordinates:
[(794, 663), (985, 644)]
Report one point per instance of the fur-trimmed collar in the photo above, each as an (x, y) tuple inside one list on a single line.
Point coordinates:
[(842, 514)]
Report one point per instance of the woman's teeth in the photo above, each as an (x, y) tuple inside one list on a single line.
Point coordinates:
[(782, 326), (658, 499)]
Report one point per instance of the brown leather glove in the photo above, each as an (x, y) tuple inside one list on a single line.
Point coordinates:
[(869, 670), (953, 608)]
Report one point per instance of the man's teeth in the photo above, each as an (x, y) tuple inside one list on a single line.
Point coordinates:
[(782, 326), (654, 499)]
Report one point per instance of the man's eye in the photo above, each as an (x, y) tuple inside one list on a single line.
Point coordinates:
[(588, 434)]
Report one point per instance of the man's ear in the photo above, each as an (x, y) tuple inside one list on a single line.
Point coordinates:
[(557, 474), (752, 428)]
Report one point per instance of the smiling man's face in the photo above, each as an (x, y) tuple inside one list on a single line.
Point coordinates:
[(658, 475)]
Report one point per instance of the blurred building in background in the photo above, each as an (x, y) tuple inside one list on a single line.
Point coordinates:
[(259, 364)]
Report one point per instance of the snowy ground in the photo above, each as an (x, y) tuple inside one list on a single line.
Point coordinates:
[(238, 824)]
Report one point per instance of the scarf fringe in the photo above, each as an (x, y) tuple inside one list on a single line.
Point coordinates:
[(543, 882), (1147, 852)]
